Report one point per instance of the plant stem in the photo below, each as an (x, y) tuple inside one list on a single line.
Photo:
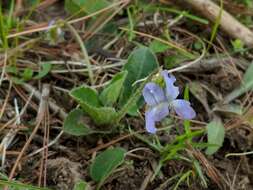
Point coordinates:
[(84, 51)]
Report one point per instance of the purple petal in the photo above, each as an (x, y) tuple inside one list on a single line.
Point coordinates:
[(160, 111), (171, 90), (183, 109), (153, 94), (154, 114), (150, 122)]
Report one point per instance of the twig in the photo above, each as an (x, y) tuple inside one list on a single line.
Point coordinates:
[(227, 22), (239, 154), (54, 107), (91, 151), (146, 180), (101, 67), (47, 146)]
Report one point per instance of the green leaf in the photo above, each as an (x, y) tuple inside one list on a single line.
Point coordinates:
[(101, 116), (85, 6), (133, 111), (27, 74), (111, 93), (158, 47), (88, 99), (173, 60), (86, 94), (140, 64), (81, 185), (237, 45), (105, 163), (215, 135), (247, 84), (131, 105), (45, 69), (200, 172), (74, 124)]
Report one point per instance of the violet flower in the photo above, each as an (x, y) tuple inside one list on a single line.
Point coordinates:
[(160, 101)]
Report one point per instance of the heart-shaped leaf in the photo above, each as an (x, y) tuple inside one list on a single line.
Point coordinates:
[(87, 95), (215, 135), (88, 99), (74, 124), (105, 163), (140, 64), (111, 93)]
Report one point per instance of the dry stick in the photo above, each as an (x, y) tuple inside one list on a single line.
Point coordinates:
[(227, 22), (91, 151), (146, 181), (54, 107), (93, 68), (43, 166), (41, 112), (46, 151), (47, 146)]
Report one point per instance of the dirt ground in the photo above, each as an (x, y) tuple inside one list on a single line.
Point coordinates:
[(67, 160)]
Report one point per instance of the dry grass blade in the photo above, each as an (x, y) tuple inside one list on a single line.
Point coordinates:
[(41, 113), (211, 171), (4, 67), (45, 26), (21, 113), (5, 101)]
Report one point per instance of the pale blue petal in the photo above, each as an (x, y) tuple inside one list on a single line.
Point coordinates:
[(150, 122), (171, 90), (153, 94), (154, 114), (183, 109), (160, 111)]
